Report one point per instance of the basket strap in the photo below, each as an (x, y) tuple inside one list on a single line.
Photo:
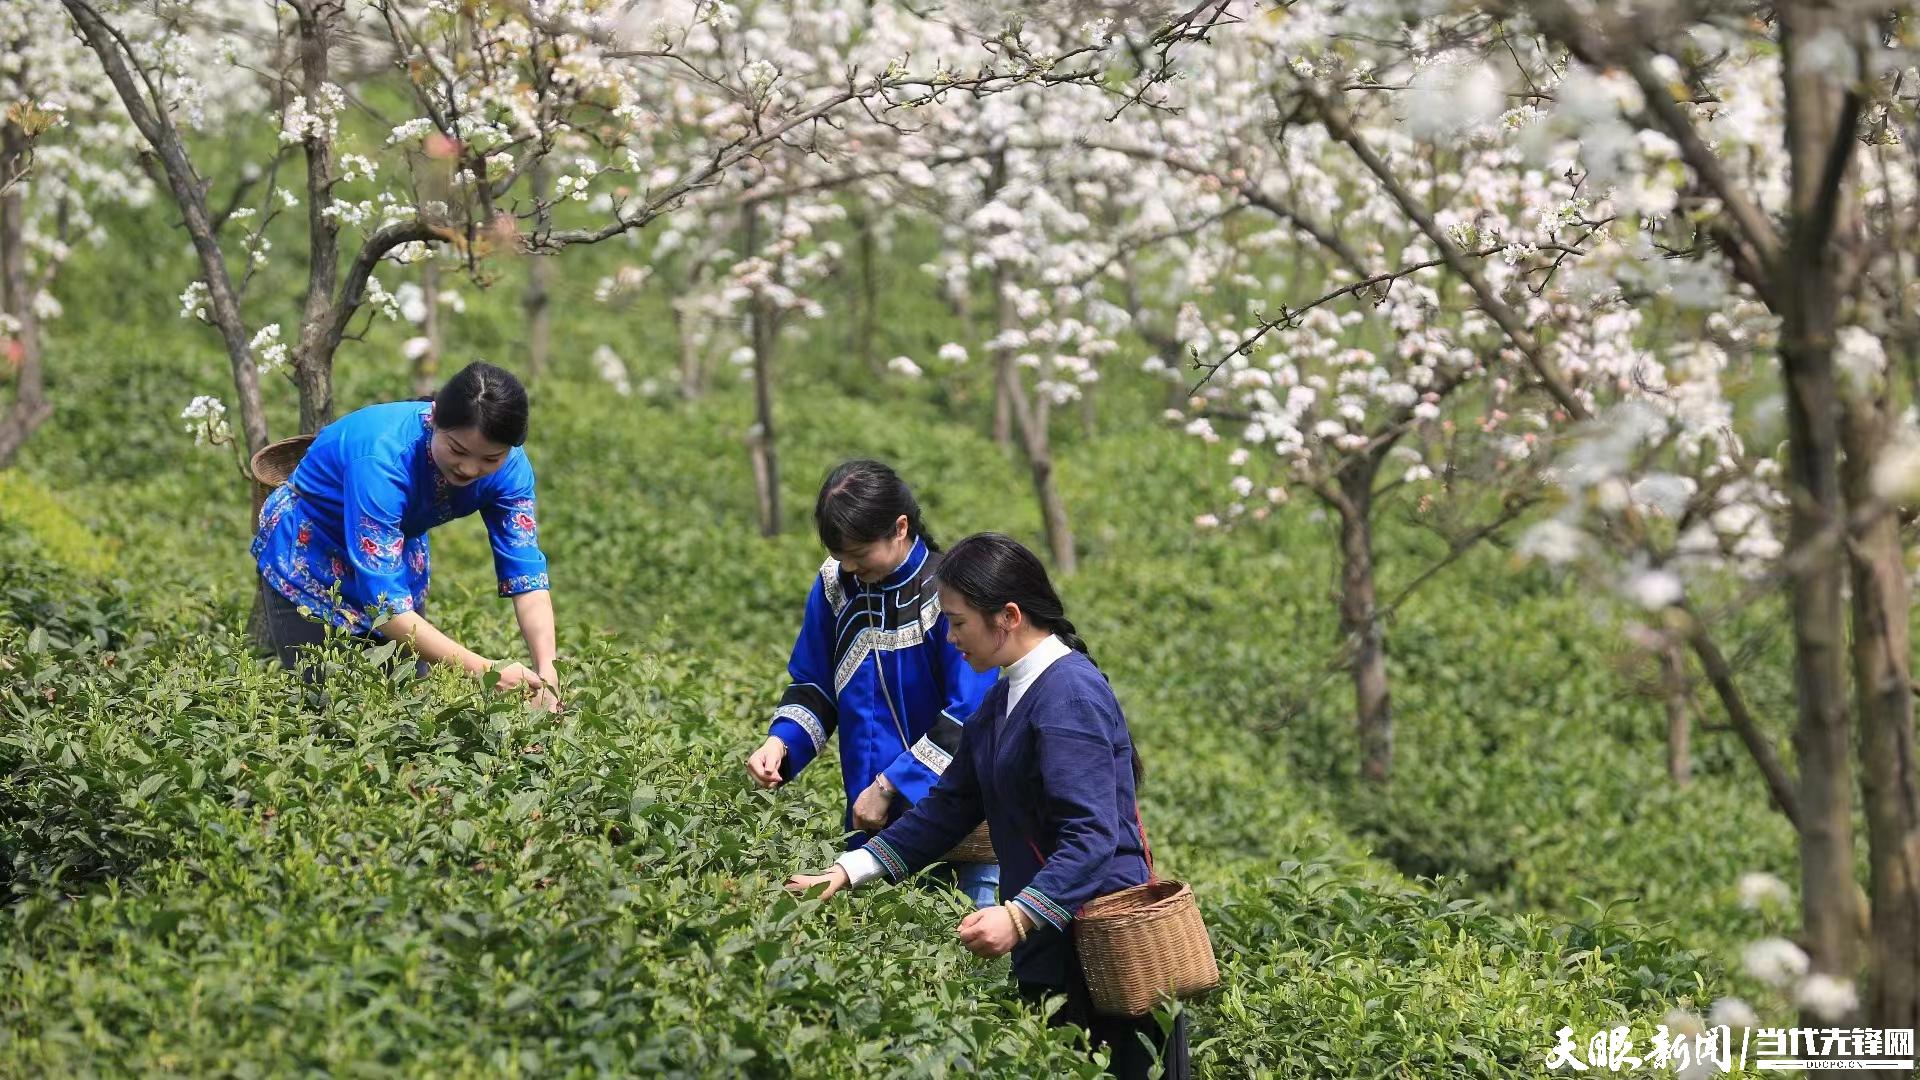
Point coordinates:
[(1145, 847)]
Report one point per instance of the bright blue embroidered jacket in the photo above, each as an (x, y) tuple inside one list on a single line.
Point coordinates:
[(354, 517), (1054, 782), (873, 662)]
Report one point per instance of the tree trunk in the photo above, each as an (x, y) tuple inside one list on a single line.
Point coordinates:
[(313, 357), (157, 127), (1883, 695), (1673, 681), (760, 441), (426, 366), (1039, 454), (539, 316), (1032, 425), (1003, 380), (29, 408), (693, 373), (1821, 739), (539, 303), (867, 296), (1806, 291), (1004, 375), (1359, 624)]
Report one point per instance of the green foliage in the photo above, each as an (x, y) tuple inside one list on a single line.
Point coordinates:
[(218, 870)]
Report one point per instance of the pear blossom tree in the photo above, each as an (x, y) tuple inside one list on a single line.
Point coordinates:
[(1787, 127), (770, 283), (1347, 392), (1696, 187), (891, 152), (593, 98), (62, 144), (1027, 254)]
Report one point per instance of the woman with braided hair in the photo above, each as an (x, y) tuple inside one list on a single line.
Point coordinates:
[(1049, 763)]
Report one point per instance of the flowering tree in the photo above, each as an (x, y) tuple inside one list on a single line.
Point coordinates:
[(574, 91), (1347, 392), (937, 142), (770, 282), (1694, 190), (1808, 219), (58, 130)]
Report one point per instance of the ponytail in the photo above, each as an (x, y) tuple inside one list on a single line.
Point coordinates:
[(1062, 628)]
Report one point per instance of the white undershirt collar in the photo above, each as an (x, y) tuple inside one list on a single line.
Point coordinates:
[(1022, 672)]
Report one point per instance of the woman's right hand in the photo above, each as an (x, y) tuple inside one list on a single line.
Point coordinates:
[(764, 764), (517, 677), (835, 879)]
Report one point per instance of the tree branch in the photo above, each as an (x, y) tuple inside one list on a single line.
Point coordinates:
[(1339, 125)]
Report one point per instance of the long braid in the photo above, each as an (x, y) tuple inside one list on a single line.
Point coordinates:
[(1063, 629)]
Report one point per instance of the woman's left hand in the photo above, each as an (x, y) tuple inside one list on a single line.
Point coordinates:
[(548, 697), (871, 808), (989, 932)]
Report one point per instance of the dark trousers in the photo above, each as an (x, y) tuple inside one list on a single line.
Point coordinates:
[(286, 631), (1121, 1035)]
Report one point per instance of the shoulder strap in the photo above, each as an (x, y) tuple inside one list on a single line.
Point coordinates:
[(1146, 848)]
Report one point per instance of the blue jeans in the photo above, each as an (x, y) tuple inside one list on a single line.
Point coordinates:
[(980, 881)]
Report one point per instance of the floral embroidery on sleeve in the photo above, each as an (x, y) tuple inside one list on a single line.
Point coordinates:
[(522, 583), (519, 528), (380, 544)]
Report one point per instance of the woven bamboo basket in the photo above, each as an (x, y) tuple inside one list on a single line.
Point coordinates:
[(976, 847), (272, 465), (270, 468), (1143, 945)]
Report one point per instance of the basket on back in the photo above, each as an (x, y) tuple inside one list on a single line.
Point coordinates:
[(975, 847), (272, 465), (1144, 945)]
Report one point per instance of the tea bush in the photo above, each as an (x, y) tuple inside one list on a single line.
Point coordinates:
[(217, 870)]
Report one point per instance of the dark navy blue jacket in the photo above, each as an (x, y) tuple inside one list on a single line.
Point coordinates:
[(1054, 781)]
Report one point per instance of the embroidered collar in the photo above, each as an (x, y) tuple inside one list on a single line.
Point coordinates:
[(908, 569), (442, 488)]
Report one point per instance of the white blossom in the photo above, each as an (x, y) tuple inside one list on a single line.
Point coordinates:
[(194, 300), (612, 369), (1774, 961), (1759, 889), (1732, 1012), (207, 421), (1827, 997), (268, 349)]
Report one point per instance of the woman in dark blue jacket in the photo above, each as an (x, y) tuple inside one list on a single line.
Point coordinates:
[(1049, 764)]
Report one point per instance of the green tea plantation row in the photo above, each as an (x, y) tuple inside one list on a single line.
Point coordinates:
[(217, 871)]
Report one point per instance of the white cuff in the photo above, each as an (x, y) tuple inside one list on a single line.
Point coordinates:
[(860, 865)]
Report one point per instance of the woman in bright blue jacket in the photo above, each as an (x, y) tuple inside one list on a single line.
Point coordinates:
[(1049, 764), (344, 542), (872, 661)]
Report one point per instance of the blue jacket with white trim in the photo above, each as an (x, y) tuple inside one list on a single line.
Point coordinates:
[(1054, 782), (873, 663)]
